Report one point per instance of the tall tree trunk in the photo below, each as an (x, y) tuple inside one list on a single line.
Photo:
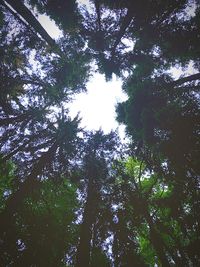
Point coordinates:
[(84, 247), (27, 15), (156, 241), (124, 248)]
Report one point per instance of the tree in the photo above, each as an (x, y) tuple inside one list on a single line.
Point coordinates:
[(98, 152), (65, 14)]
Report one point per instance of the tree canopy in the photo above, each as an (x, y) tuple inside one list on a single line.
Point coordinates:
[(71, 197)]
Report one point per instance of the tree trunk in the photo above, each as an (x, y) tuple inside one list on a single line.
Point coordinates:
[(157, 242), (190, 78), (84, 247), (27, 15)]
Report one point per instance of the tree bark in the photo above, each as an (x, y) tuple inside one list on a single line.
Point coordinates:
[(27, 15), (84, 247), (156, 241), (190, 78)]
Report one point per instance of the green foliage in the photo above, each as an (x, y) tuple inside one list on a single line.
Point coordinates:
[(135, 168), (46, 223), (6, 181), (145, 247)]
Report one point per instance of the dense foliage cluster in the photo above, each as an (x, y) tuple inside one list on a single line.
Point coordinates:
[(69, 197)]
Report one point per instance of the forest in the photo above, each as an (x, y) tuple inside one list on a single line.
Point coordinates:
[(71, 197)]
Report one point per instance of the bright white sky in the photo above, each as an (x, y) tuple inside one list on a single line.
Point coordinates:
[(97, 106)]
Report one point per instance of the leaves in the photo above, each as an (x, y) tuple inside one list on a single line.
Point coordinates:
[(6, 181)]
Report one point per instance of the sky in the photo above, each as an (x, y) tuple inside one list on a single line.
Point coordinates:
[(97, 106)]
